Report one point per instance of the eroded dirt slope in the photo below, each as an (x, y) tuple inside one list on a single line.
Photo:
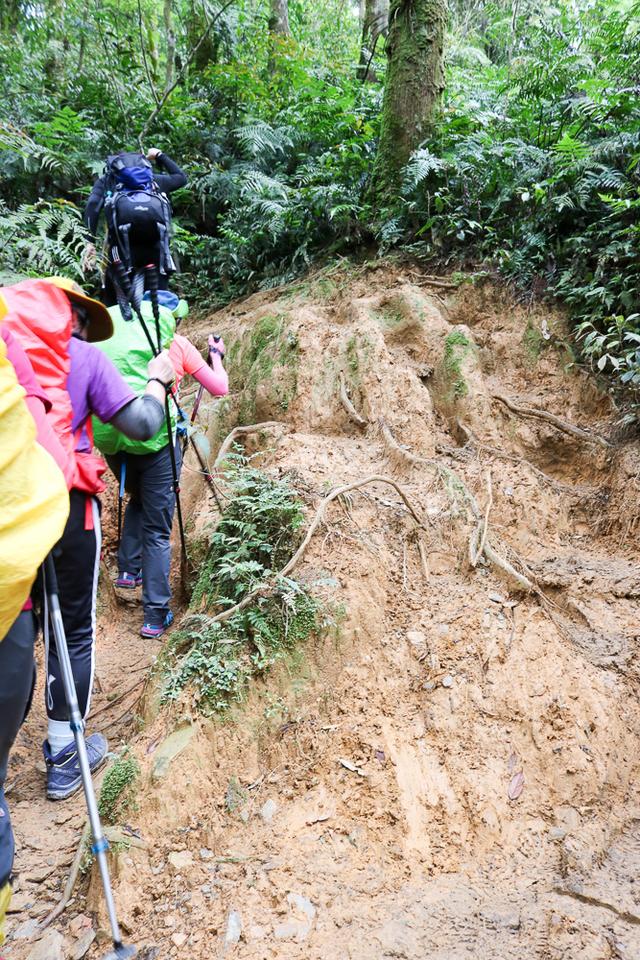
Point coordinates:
[(455, 773)]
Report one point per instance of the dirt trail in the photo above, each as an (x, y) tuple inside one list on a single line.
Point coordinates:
[(456, 773)]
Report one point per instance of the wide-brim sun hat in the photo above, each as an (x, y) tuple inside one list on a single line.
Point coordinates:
[(100, 324)]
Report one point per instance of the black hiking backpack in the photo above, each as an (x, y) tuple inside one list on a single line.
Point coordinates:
[(138, 214)]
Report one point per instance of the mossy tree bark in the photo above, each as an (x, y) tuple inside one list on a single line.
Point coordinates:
[(375, 24), (413, 87)]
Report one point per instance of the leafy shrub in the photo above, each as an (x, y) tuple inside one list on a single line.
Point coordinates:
[(41, 239), (535, 168), (254, 539)]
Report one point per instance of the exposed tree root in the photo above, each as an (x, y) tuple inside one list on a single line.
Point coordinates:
[(427, 280), (591, 901), (69, 886), (231, 438), (350, 410), (266, 589), (513, 458), (478, 540), (489, 552), (402, 452), (563, 425)]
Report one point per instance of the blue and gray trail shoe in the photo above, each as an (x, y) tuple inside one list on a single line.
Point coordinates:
[(63, 769)]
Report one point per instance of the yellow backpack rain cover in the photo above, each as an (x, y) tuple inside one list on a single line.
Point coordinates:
[(33, 494)]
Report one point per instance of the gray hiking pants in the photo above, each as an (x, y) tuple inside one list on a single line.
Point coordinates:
[(146, 533)]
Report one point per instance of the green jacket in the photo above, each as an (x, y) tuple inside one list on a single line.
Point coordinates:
[(130, 352)]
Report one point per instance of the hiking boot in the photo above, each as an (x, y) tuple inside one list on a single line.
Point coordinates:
[(155, 630), (63, 770), (129, 581)]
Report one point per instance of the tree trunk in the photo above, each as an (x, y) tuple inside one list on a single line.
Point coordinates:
[(413, 87), (170, 40), (279, 18), (278, 28), (196, 25), (375, 24)]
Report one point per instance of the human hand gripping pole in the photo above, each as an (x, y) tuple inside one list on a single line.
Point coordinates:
[(100, 843)]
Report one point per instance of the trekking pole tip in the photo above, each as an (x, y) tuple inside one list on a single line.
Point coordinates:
[(121, 952)]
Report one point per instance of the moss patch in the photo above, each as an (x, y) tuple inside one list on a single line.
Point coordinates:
[(270, 356), (118, 787), (456, 348)]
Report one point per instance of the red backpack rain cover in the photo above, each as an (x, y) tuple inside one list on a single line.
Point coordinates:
[(39, 315)]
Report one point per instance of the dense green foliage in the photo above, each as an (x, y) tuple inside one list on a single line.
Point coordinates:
[(255, 538), (533, 167)]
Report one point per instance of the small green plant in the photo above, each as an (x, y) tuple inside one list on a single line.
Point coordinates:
[(390, 316), (118, 787), (533, 343), (256, 536), (456, 347)]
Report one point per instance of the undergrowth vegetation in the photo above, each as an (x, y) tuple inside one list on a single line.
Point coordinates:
[(257, 534), (532, 168)]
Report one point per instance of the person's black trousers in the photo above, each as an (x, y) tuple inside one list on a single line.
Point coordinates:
[(17, 674), (77, 562)]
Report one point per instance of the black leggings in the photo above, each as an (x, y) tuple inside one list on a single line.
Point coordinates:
[(77, 561), (17, 675)]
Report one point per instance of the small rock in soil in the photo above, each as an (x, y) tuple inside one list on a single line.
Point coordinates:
[(298, 902), (205, 854), (179, 939), (26, 930), (234, 928), (39, 874), (268, 810), (20, 902), (447, 681), (557, 833), (290, 930), (180, 859), (79, 924), (49, 948), (82, 944)]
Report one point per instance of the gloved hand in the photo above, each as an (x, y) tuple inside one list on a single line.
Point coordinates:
[(217, 344), (153, 154), (162, 368), (89, 257)]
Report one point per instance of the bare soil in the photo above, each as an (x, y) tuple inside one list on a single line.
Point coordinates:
[(452, 772)]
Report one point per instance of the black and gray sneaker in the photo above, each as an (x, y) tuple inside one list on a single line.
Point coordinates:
[(63, 769)]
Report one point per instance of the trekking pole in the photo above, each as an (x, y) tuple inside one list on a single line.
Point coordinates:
[(100, 842), (123, 477), (127, 289), (189, 439), (152, 276)]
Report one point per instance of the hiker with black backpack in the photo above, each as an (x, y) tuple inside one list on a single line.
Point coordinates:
[(137, 210)]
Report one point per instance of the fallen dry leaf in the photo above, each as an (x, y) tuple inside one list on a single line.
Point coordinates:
[(516, 785)]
